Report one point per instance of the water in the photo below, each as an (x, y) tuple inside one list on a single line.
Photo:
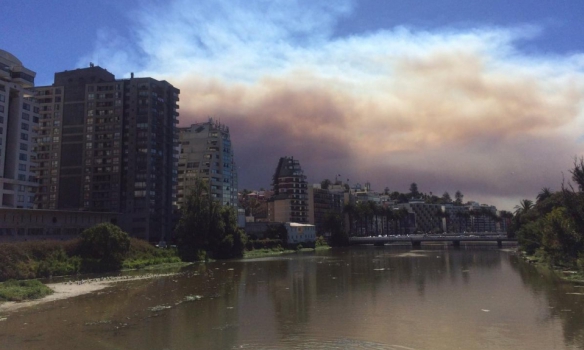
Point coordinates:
[(358, 298)]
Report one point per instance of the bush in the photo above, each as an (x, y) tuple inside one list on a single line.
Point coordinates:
[(320, 242), (103, 247), (26, 260), (23, 290)]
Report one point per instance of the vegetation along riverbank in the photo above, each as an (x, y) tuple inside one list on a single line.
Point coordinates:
[(551, 230)]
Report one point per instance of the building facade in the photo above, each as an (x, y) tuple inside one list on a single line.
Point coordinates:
[(321, 203), (290, 200), (109, 145), (19, 117), (300, 233), (206, 153), (37, 224)]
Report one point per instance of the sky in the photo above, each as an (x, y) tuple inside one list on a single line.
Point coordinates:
[(485, 97)]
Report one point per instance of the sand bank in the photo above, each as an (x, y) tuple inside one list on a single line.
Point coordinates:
[(75, 288)]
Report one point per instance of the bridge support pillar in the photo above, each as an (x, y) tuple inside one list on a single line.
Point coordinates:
[(456, 243), (500, 243)]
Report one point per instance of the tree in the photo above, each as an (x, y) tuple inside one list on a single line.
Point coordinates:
[(544, 194), (350, 210), (324, 184), (333, 223), (103, 247), (458, 196), (446, 198), (523, 207), (277, 231), (414, 190), (206, 226)]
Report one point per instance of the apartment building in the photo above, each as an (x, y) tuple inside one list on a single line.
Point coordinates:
[(109, 145), (206, 153), (19, 117), (290, 200)]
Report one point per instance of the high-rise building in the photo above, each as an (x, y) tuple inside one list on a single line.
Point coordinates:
[(109, 145), (18, 121), (206, 153), (290, 200)]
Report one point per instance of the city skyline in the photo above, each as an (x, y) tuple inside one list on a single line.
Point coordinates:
[(481, 98)]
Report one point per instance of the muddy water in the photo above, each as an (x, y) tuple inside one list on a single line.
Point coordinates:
[(359, 298)]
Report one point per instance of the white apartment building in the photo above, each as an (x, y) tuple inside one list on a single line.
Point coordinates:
[(19, 117)]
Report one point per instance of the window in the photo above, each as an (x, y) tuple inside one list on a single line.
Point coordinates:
[(25, 106), (24, 126), (22, 156), (2, 98), (23, 147), (21, 177), (1, 108), (25, 116), (22, 167), (24, 136)]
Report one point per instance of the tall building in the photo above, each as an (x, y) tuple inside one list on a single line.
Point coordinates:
[(109, 145), (321, 203), (206, 153), (290, 200), (18, 121)]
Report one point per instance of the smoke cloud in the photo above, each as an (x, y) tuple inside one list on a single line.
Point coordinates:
[(448, 109)]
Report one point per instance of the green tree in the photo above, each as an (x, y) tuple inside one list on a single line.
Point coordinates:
[(458, 197), (207, 227), (523, 207), (333, 223), (446, 198), (350, 210), (103, 247), (544, 194), (414, 193)]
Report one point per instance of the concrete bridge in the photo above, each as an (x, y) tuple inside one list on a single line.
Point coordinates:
[(417, 240)]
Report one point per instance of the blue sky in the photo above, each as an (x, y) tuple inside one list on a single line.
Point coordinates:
[(485, 97)]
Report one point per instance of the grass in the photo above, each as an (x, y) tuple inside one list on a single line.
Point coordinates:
[(13, 290), (30, 260), (258, 253)]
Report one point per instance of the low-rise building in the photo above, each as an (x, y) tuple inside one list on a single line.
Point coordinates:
[(300, 233), (39, 224)]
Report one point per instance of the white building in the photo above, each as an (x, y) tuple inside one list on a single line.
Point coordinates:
[(206, 153), (19, 117), (300, 233)]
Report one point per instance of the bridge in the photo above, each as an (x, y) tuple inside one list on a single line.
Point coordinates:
[(417, 240)]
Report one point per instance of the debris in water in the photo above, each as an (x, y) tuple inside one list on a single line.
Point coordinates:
[(379, 269), (576, 293), (193, 297), (159, 308), (3, 319), (485, 310)]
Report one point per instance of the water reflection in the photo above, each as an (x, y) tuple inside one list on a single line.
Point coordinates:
[(357, 298), (565, 299)]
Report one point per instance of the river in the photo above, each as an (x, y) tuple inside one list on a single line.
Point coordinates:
[(392, 297)]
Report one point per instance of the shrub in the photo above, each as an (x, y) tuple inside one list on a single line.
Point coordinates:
[(22, 290), (103, 247)]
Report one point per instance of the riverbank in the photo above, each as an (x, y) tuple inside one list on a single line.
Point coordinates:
[(569, 275), (74, 287), (261, 253)]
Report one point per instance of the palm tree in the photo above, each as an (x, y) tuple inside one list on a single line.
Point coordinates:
[(350, 210), (544, 194), (523, 206)]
